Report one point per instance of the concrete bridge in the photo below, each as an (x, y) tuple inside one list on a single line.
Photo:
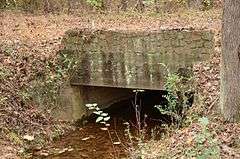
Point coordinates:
[(112, 63)]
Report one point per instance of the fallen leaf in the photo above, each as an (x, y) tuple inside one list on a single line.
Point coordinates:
[(104, 129), (117, 143), (28, 137), (86, 138)]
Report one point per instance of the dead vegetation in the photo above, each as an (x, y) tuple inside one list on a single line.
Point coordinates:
[(29, 42)]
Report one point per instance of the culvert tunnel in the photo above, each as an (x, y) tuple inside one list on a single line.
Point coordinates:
[(142, 102), (117, 102), (110, 64)]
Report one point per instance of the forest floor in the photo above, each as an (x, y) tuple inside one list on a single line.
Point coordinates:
[(38, 28), (38, 37)]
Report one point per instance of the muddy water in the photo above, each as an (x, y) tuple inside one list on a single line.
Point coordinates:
[(90, 142)]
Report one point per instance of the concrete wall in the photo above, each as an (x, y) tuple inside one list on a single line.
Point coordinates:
[(109, 61), (71, 104), (134, 59)]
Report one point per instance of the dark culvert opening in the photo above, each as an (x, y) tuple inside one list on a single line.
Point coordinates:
[(124, 110), (143, 102)]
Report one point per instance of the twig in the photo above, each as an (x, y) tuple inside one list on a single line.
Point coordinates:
[(213, 103), (125, 147), (109, 134)]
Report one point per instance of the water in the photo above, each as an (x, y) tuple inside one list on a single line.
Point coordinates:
[(90, 142)]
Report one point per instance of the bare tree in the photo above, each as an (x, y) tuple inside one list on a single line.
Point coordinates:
[(230, 66)]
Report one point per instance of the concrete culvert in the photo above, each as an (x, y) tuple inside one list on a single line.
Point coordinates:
[(125, 110)]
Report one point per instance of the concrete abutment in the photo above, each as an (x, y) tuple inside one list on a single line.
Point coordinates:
[(110, 64)]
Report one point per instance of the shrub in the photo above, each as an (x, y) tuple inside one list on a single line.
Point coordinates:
[(206, 145), (179, 92), (95, 3)]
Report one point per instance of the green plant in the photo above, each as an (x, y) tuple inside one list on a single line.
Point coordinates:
[(20, 4), (15, 138), (7, 3), (56, 133), (207, 4), (95, 3), (102, 116), (45, 88), (177, 87), (3, 73), (206, 145), (148, 2)]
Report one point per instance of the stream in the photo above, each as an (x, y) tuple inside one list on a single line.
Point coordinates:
[(93, 141), (90, 142)]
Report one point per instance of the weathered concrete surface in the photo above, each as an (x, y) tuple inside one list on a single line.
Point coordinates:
[(109, 62), (134, 59), (71, 103)]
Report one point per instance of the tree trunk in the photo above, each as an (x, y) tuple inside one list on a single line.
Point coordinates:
[(230, 66)]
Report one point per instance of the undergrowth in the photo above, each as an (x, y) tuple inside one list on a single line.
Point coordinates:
[(57, 6), (30, 81), (205, 144), (45, 89), (180, 88)]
